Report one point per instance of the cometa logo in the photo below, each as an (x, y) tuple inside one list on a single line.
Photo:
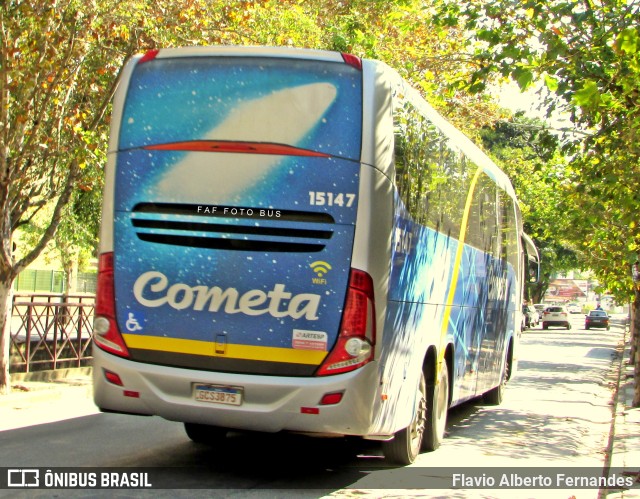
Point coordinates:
[(152, 289)]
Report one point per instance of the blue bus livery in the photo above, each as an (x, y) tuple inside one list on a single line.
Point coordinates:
[(294, 240)]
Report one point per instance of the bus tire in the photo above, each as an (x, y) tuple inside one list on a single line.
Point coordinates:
[(437, 407), (495, 396), (406, 444), (205, 434)]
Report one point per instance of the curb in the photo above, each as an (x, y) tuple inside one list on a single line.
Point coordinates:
[(46, 397), (52, 375), (42, 386), (626, 436)]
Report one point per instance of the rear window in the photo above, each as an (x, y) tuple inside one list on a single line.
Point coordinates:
[(555, 309), (314, 105), (598, 313)]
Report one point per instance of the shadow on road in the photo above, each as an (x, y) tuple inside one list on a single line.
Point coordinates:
[(555, 411)]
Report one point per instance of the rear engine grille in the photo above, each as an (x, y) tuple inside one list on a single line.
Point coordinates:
[(232, 228)]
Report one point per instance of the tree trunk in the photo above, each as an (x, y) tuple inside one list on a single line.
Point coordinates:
[(632, 335), (6, 300), (635, 335), (72, 276)]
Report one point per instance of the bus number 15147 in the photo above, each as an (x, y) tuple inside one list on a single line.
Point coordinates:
[(331, 199)]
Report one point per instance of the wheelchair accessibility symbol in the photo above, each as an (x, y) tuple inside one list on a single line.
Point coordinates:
[(132, 323)]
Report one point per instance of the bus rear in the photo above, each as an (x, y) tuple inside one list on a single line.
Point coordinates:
[(226, 292)]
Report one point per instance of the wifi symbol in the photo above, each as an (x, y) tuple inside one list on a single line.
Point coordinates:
[(320, 268)]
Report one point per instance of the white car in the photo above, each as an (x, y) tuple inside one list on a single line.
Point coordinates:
[(557, 316), (574, 308)]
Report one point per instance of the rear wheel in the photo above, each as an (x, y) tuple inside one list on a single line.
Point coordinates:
[(205, 434), (495, 396), (406, 444), (437, 407)]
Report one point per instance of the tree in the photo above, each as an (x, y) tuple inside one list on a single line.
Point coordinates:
[(76, 239), (588, 56), (59, 63), (528, 151), (47, 119)]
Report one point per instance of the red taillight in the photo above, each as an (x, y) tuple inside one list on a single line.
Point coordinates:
[(331, 398), (356, 341), (353, 61), (113, 378), (105, 328)]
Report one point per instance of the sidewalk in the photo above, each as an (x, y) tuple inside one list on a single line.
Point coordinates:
[(47, 397), (626, 439)]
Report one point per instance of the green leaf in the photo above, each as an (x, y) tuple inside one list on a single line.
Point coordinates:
[(488, 35), (588, 95), (524, 77), (551, 82), (627, 41)]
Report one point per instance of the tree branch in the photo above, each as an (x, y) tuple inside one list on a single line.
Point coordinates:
[(49, 233)]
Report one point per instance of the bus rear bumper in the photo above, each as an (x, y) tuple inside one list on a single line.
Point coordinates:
[(269, 403)]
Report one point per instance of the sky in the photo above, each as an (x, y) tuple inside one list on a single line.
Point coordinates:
[(510, 97)]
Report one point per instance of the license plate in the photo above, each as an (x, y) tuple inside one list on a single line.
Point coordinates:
[(214, 394)]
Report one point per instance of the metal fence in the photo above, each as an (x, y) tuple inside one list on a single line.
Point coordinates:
[(52, 281), (51, 331)]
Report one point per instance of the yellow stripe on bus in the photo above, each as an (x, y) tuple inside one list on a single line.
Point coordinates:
[(456, 267), (207, 349)]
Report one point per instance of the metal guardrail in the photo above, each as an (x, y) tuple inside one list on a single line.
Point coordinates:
[(51, 331)]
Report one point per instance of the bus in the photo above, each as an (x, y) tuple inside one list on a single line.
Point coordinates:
[(294, 240)]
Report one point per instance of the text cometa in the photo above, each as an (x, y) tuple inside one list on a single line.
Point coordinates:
[(152, 289)]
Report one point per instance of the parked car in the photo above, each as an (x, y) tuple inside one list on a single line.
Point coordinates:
[(557, 316), (596, 318), (531, 317), (574, 308)]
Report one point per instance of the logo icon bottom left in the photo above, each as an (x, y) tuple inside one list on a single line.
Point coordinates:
[(23, 478)]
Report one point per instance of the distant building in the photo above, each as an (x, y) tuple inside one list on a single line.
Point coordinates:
[(566, 290)]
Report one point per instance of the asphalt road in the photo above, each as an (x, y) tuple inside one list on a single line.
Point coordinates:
[(556, 413)]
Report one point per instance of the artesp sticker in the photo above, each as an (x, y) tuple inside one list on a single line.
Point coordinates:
[(309, 340)]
